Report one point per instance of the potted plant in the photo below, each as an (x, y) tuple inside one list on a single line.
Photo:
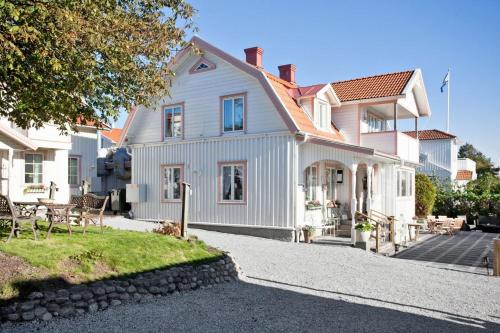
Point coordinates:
[(365, 229), (313, 205), (308, 233)]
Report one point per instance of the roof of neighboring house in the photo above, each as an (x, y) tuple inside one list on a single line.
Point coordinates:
[(433, 134), (306, 91), (90, 123), (464, 175), (384, 85), (285, 91), (113, 134)]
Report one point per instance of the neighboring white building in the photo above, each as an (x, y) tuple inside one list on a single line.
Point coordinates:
[(257, 148), (32, 158), (439, 157)]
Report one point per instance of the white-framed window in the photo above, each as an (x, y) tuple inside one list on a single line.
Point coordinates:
[(171, 178), (33, 168), (74, 170), (374, 123), (173, 118), (331, 182), (233, 182), (311, 178), (322, 115), (405, 183), (233, 113)]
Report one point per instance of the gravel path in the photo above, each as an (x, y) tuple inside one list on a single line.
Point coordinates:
[(300, 287)]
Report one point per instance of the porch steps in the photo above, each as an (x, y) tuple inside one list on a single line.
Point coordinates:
[(344, 229)]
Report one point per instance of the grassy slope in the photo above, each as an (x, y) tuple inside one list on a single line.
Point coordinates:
[(95, 255)]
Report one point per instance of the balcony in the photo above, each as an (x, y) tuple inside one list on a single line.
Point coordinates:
[(394, 143)]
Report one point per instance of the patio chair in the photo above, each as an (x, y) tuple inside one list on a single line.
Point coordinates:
[(93, 210), (457, 224), (431, 223), (10, 212), (447, 227), (78, 211)]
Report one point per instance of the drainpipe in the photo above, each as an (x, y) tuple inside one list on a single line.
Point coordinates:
[(296, 171)]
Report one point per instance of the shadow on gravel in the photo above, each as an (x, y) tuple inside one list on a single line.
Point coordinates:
[(243, 307)]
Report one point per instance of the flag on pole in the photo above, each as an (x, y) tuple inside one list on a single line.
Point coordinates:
[(445, 81)]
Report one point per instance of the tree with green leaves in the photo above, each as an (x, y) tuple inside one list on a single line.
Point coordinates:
[(425, 195), (63, 60), (483, 163)]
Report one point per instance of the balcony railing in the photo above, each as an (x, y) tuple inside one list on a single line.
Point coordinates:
[(392, 142)]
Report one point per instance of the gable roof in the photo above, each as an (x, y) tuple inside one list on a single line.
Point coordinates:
[(433, 134), (384, 85), (464, 175), (113, 134)]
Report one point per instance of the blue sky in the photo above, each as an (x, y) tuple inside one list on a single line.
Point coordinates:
[(331, 41)]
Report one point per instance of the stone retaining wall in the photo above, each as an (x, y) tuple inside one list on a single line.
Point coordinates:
[(100, 295)]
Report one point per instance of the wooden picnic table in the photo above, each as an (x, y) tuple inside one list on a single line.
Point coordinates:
[(56, 212)]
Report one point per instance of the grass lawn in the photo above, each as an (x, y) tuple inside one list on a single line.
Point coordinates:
[(79, 258)]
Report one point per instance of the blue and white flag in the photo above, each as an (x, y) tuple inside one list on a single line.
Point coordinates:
[(445, 81)]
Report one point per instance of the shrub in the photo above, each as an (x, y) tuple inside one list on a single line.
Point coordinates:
[(169, 228), (425, 195)]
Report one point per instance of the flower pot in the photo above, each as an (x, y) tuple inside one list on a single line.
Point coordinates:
[(307, 236), (365, 236)]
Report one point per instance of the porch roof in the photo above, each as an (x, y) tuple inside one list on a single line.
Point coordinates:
[(17, 137)]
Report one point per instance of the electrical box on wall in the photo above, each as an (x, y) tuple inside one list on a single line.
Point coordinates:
[(136, 193)]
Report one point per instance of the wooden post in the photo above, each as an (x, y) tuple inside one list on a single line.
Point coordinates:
[(186, 189), (391, 221), (496, 257), (377, 242)]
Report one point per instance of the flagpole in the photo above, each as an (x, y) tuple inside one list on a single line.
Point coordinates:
[(448, 114)]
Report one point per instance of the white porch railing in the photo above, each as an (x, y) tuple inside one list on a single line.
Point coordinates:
[(392, 142)]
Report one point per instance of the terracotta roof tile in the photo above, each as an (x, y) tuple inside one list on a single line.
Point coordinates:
[(430, 135), (464, 175), (114, 134), (384, 85), (285, 89)]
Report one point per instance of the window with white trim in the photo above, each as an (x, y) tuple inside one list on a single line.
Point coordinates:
[(171, 181), (233, 182), (331, 183), (322, 120), (33, 168), (173, 121), (74, 170), (311, 178), (405, 183), (233, 113)]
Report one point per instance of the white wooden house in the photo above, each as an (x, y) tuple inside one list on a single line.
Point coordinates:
[(33, 158), (439, 157), (257, 148)]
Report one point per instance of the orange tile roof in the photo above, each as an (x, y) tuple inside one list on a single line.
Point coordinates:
[(90, 123), (430, 135), (114, 134), (384, 85), (464, 175), (284, 89)]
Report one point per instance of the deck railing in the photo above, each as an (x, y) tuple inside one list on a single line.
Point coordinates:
[(384, 225)]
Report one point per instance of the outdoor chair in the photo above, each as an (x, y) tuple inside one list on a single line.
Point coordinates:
[(77, 212), (93, 210), (447, 227), (457, 224), (9, 212)]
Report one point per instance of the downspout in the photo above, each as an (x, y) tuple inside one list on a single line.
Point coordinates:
[(298, 143)]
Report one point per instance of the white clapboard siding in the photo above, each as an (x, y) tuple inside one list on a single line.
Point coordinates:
[(84, 146), (201, 94), (269, 179), (438, 157), (347, 120)]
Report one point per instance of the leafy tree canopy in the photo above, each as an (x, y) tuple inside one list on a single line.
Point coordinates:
[(61, 60), (483, 163)]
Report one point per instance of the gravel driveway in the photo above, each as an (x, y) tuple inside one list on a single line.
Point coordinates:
[(300, 287)]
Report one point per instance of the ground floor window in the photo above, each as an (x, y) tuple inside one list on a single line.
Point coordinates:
[(33, 168), (171, 180), (233, 181), (405, 183), (74, 170), (331, 181), (311, 178)]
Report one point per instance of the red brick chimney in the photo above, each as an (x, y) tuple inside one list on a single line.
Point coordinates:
[(254, 56), (287, 72)]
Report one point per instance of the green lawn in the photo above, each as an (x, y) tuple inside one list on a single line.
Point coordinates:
[(79, 257)]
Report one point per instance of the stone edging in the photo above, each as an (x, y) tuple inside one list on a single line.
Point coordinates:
[(100, 295)]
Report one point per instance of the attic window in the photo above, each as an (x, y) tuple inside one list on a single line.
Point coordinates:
[(202, 65)]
